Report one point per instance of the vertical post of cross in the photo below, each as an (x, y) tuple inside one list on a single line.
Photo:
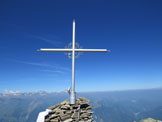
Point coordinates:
[(72, 93), (73, 50)]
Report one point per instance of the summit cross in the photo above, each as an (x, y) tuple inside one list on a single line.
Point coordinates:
[(73, 50)]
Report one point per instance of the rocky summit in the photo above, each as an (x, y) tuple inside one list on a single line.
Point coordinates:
[(150, 120), (64, 112)]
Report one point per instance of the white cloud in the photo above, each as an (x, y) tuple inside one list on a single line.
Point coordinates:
[(53, 71), (53, 42), (38, 64), (49, 67), (42, 64), (65, 69)]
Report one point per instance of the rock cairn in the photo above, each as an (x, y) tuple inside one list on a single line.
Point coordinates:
[(64, 112)]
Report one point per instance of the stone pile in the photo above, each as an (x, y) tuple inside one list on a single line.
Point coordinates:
[(64, 112)]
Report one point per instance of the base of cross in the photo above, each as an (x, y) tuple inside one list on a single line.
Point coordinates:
[(65, 112)]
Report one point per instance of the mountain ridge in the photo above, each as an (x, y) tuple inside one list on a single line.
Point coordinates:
[(126, 106)]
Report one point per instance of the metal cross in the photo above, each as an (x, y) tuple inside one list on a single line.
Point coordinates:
[(73, 50)]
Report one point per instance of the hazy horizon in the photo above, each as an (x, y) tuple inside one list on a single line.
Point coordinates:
[(17, 91)]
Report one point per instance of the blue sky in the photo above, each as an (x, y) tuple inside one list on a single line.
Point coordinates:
[(132, 30)]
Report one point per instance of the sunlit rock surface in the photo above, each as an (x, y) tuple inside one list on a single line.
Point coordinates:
[(150, 120)]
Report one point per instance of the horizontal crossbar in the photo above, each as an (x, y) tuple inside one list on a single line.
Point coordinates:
[(76, 50)]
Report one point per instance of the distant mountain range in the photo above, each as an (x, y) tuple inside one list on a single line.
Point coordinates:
[(18, 93), (116, 106)]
